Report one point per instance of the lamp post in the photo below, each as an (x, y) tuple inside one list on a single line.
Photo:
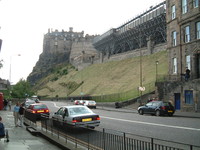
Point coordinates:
[(11, 67), (157, 70)]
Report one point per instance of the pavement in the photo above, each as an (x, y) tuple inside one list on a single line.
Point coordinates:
[(22, 139)]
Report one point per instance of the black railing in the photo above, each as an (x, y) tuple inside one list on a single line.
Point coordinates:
[(108, 139)]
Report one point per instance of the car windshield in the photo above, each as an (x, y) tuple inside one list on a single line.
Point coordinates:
[(40, 107), (91, 102), (79, 110)]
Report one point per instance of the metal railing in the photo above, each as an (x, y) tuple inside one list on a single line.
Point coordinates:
[(108, 139)]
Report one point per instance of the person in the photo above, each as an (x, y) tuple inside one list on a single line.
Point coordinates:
[(16, 113), (5, 103), (21, 114), (187, 74), (9, 104), (3, 131)]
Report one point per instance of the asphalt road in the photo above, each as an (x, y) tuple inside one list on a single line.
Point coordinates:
[(177, 129)]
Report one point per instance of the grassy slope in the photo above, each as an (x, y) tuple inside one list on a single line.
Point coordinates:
[(108, 78)]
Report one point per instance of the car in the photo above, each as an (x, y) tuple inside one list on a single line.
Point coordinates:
[(90, 104), (157, 108), (38, 109), (27, 103), (76, 102), (76, 116)]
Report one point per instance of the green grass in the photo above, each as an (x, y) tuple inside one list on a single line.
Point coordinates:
[(112, 81)]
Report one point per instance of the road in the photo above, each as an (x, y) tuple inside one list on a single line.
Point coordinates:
[(177, 129)]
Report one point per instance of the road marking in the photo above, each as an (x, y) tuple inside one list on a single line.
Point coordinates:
[(55, 105), (154, 124)]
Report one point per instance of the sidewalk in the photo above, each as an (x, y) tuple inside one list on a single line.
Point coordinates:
[(20, 138)]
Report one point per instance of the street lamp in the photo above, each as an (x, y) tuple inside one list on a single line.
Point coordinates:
[(11, 67), (157, 70)]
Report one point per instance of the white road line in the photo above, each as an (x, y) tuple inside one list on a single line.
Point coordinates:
[(154, 124), (55, 105)]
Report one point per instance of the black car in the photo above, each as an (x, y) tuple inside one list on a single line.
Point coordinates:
[(157, 108)]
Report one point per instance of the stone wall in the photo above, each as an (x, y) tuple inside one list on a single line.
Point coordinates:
[(133, 53)]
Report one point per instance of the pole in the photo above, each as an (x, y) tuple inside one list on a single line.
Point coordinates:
[(140, 45)]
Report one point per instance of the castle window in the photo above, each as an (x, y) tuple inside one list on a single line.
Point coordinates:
[(187, 34), (195, 3), (174, 38), (188, 64), (174, 62), (184, 6), (173, 12), (198, 30)]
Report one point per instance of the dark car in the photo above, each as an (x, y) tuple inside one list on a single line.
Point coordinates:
[(37, 110), (157, 108)]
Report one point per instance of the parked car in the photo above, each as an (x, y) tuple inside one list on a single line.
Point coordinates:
[(157, 108), (37, 109), (90, 104), (76, 116)]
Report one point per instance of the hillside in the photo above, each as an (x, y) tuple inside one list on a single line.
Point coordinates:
[(104, 79)]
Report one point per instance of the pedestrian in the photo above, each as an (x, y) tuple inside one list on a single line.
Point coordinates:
[(3, 131), (21, 114), (16, 113), (187, 74), (5, 103), (10, 104)]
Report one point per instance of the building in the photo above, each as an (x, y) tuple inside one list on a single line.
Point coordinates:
[(183, 45)]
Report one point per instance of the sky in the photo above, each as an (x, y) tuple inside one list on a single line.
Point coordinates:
[(23, 24)]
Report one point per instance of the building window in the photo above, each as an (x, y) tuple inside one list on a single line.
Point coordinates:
[(187, 34), (198, 30), (184, 6), (195, 3), (188, 64), (174, 38), (173, 12), (174, 65), (188, 96)]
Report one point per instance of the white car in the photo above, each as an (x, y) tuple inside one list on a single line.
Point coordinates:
[(90, 104), (76, 116)]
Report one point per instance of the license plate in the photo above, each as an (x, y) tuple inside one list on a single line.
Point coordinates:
[(87, 119), (170, 111), (40, 111)]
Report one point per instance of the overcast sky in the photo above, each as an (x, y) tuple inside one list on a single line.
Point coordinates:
[(24, 22)]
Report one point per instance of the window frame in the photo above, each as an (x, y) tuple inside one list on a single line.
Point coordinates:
[(184, 6), (195, 3), (173, 8), (198, 30), (174, 67), (187, 34), (174, 38), (189, 97), (188, 61)]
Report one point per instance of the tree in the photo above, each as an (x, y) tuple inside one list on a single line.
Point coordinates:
[(22, 89)]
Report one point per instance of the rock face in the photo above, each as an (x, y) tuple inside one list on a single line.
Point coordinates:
[(62, 47)]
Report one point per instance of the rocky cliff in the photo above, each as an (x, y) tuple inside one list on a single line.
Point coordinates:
[(58, 48)]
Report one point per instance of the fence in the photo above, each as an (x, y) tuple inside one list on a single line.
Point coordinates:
[(107, 139)]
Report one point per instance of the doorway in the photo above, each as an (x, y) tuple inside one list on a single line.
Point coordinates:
[(177, 98)]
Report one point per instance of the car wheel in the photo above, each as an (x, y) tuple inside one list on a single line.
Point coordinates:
[(141, 112), (157, 112)]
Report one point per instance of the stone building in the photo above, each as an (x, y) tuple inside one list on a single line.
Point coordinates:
[(183, 44)]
